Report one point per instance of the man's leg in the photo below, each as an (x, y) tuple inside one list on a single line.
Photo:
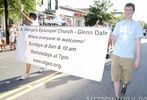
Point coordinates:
[(27, 72), (1, 47), (127, 64), (11, 46), (3, 42), (28, 66), (116, 74), (116, 88)]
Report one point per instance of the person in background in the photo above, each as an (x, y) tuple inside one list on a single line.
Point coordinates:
[(12, 36), (28, 21), (109, 47), (2, 39), (97, 24), (126, 37), (105, 24)]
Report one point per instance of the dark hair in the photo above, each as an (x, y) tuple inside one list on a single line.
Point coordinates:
[(33, 15), (130, 5)]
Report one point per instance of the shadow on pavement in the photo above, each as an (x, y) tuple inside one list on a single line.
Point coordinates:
[(62, 80), (66, 79), (15, 82)]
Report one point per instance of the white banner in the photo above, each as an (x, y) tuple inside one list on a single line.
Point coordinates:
[(78, 51)]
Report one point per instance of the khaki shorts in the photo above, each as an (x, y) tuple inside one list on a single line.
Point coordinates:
[(121, 68)]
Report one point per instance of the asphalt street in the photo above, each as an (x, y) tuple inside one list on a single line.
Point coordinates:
[(51, 85)]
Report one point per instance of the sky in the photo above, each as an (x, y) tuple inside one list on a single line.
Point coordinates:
[(140, 6)]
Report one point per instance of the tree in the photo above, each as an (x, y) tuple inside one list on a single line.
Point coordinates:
[(13, 8), (1, 7), (99, 12), (10, 8), (116, 19), (143, 24)]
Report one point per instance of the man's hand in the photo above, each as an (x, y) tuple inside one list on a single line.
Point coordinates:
[(137, 64), (21, 7)]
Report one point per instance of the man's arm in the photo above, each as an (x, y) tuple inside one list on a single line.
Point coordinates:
[(113, 38), (138, 53), (23, 14)]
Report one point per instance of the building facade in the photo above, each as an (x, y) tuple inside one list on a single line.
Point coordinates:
[(72, 16), (48, 9)]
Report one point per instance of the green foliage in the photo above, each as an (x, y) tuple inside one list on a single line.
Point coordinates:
[(13, 8), (143, 24), (116, 19), (1, 7), (99, 12)]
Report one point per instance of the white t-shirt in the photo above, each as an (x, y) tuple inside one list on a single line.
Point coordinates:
[(27, 23), (35, 23), (126, 33)]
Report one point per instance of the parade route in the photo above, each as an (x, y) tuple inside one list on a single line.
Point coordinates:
[(51, 85)]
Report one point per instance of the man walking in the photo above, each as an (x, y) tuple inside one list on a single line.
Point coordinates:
[(126, 38)]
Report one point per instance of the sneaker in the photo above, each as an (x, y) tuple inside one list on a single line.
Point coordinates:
[(117, 98), (25, 76), (124, 88)]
